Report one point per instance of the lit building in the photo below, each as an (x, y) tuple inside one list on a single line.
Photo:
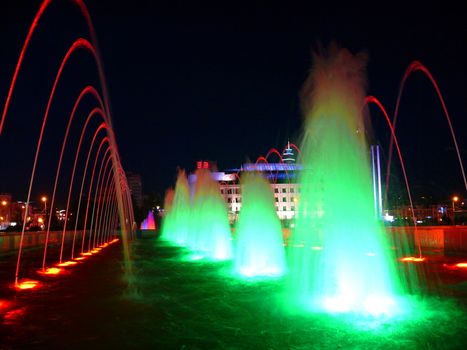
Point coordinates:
[(5, 210), (13, 212), (136, 188), (282, 176)]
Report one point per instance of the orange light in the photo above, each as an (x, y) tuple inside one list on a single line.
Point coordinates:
[(50, 271), (4, 305), (44, 199), (94, 251), (67, 263), (462, 265), (408, 258), (4, 203), (26, 284), (86, 254), (80, 258), (412, 259)]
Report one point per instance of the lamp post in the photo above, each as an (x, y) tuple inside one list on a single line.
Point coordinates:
[(454, 200), (6, 218), (44, 200)]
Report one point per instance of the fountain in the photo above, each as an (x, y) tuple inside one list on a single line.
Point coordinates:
[(259, 243), (176, 222), (340, 260), (149, 223), (209, 234), (52, 143)]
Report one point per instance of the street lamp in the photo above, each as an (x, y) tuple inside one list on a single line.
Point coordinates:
[(4, 204), (454, 200), (44, 200)]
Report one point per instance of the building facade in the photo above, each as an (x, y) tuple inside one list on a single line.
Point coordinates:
[(136, 188), (282, 176)]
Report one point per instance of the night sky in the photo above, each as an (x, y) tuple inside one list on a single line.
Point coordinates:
[(222, 82)]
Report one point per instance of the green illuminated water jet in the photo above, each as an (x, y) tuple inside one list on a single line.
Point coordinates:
[(340, 259), (259, 244), (209, 235), (176, 221)]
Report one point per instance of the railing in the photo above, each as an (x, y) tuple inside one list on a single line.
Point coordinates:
[(10, 241)]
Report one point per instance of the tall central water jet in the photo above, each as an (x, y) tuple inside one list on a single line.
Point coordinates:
[(340, 260)]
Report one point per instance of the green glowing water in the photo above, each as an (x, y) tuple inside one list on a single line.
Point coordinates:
[(259, 243), (209, 235), (340, 260), (176, 222)]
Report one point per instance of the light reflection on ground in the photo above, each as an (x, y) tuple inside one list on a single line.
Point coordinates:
[(176, 302)]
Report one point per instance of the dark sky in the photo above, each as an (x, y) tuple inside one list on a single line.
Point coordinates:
[(222, 82)]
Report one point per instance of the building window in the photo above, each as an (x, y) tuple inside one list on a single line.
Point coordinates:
[(229, 191), (284, 190), (277, 200), (276, 190), (284, 208), (229, 200), (284, 199), (292, 199), (239, 199), (291, 190), (222, 191), (236, 191), (292, 208)]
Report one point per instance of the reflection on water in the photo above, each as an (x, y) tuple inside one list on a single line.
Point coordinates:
[(190, 304)]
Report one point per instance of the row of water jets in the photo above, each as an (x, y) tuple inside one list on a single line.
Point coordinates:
[(201, 224), (112, 208)]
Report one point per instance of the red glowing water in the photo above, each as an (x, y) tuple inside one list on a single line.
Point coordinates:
[(149, 223), (375, 101), (416, 66)]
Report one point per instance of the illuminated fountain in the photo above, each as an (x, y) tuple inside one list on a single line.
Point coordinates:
[(176, 222), (111, 213), (259, 243), (149, 223), (209, 234), (340, 260)]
